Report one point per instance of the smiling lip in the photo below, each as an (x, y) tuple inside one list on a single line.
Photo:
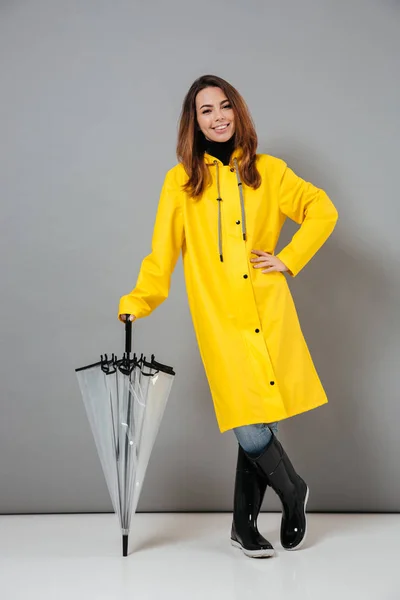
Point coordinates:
[(221, 128)]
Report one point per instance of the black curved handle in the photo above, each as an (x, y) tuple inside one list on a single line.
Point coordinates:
[(128, 335)]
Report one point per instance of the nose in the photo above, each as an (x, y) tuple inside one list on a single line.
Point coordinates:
[(219, 116)]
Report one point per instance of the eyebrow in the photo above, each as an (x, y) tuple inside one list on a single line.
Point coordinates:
[(211, 105)]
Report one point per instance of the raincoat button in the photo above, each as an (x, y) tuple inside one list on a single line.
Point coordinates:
[(232, 170), (257, 331), (272, 383), (237, 222), (245, 276)]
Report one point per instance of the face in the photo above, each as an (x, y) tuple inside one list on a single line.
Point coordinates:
[(215, 114)]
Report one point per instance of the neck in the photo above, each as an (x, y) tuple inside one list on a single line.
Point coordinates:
[(221, 150)]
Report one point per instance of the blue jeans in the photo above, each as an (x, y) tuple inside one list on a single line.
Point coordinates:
[(255, 438)]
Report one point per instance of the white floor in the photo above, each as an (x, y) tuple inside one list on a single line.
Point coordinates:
[(189, 556)]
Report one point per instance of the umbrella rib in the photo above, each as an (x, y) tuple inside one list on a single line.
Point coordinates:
[(116, 450)]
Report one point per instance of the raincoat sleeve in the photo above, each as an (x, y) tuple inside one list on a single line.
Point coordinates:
[(311, 208), (153, 282)]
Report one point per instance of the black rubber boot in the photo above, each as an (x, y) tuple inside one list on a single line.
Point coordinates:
[(291, 489), (250, 488)]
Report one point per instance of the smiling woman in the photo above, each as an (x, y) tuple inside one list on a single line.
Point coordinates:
[(210, 103), (223, 205), (215, 115)]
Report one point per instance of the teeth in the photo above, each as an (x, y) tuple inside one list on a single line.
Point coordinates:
[(221, 127)]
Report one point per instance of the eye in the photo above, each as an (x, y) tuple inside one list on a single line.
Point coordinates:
[(206, 111), (228, 106)]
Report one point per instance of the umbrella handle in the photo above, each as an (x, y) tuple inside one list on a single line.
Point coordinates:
[(128, 335)]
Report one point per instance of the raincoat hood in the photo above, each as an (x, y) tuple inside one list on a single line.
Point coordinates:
[(237, 153)]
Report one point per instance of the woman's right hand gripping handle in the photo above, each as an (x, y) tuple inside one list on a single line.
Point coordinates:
[(131, 317)]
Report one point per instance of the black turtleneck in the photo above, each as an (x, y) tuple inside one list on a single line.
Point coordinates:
[(221, 150)]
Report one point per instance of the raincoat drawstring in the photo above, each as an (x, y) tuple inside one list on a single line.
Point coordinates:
[(219, 200), (240, 185)]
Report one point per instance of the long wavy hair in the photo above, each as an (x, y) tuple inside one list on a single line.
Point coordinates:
[(190, 146)]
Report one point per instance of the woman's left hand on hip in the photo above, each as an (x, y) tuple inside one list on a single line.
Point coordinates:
[(268, 262)]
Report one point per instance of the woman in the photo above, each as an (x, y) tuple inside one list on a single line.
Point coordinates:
[(223, 206)]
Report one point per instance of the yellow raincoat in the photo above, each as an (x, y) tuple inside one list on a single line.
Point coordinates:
[(255, 356)]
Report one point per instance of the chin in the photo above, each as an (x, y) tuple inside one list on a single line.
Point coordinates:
[(221, 138)]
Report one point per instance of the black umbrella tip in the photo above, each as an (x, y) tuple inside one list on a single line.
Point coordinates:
[(124, 545)]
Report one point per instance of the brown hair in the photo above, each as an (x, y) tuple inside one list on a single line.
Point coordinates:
[(190, 148)]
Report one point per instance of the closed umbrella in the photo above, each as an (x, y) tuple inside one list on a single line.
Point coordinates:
[(125, 400)]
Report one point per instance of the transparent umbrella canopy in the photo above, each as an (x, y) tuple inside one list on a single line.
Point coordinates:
[(125, 400)]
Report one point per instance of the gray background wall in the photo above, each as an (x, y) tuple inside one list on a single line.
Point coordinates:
[(91, 94)]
